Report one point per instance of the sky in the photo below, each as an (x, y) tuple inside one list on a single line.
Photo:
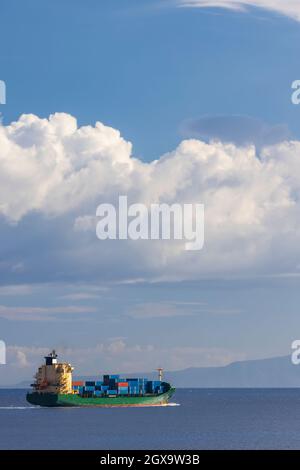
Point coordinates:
[(171, 101)]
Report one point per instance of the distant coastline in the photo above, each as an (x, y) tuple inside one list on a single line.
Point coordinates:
[(276, 372)]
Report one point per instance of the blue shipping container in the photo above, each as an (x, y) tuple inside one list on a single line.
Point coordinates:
[(90, 383)]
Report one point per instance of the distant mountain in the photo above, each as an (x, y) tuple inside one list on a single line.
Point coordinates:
[(274, 372), (277, 372)]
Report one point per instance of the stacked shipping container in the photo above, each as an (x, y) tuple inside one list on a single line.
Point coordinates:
[(112, 385)]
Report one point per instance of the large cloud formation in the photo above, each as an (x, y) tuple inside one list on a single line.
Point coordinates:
[(290, 8), (54, 174)]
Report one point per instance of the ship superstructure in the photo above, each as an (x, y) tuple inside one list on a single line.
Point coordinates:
[(53, 376)]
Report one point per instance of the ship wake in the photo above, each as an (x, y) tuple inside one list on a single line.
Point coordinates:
[(12, 407)]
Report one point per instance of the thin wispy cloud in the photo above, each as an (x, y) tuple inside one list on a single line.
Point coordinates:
[(171, 309), (80, 296), (41, 313), (16, 290), (289, 8), (159, 310)]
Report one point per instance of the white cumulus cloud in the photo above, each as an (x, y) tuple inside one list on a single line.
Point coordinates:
[(58, 171), (53, 166)]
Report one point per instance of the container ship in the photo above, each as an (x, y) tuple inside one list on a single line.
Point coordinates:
[(54, 386)]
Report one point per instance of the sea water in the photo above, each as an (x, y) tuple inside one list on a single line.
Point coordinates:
[(196, 419)]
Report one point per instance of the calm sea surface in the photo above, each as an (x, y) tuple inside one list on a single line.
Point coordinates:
[(202, 419)]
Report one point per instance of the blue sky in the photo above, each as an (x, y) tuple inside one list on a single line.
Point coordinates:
[(158, 74), (145, 67)]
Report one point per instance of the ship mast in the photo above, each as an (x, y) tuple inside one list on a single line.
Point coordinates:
[(160, 373)]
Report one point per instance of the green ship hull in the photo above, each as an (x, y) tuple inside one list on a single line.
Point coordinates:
[(52, 399)]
